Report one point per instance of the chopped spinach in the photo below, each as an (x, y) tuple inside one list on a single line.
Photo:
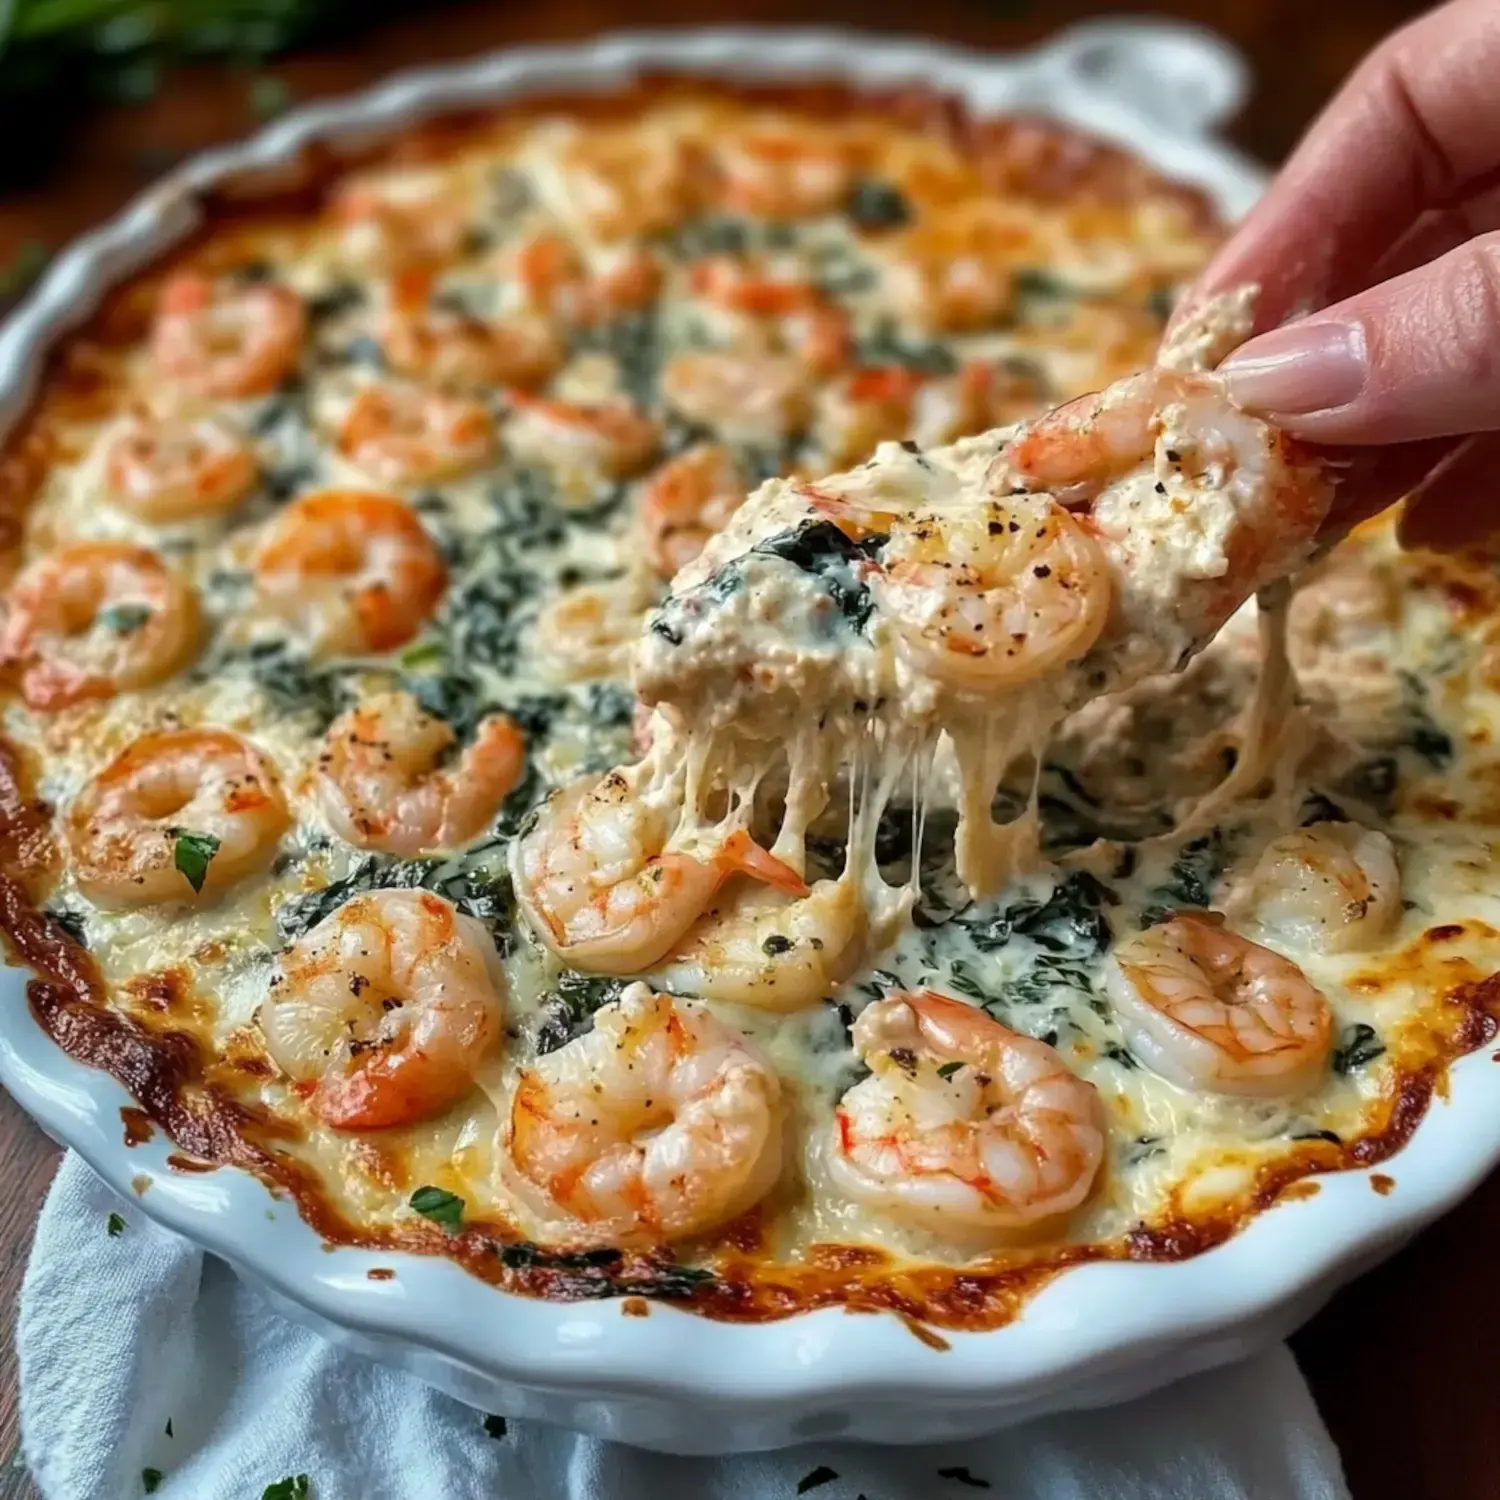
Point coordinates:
[(1373, 781), (876, 204), (290, 679), (341, 297), (1069, 922), (609, 705), (1424, 735), (461, 879), (885, 344), (596, 1273), (1316, 808), (634, 341), (1190, 881), (72, 923), (822, 550), (568, 1009), (1358, 1044)]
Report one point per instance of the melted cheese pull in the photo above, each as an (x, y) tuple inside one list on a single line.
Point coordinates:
[(940, 613)]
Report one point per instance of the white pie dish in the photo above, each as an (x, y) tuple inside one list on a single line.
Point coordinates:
[(674, 1380)]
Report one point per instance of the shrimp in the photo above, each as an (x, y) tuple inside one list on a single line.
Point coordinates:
[(352, 571), (751, 397), (168, 469), (456, 350), (1329, 887), (685, 502), (799, 313), (624, 183), (586, 631), (995, 594), (1174, 443), (391, 219), (955, 270), (1215, 1013), (597, 886), (94, 619), (777, 169), (865, 409), (554, 280), (380, 784), (612, 440), (407, 435), (225, 338), (178, 815), (964, 1126), (984, 394), (385, 1010), (768, 950), (659, 1123)]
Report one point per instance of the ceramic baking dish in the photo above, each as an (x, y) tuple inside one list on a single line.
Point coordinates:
[(673, 1380)]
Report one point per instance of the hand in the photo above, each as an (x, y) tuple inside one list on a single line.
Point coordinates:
[(1381, 238)]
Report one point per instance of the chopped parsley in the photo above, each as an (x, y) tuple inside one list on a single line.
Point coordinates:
[(115, 1225), (494, 1426), (192, 853), (150, 1481), (816, 1479), (295, 1487), (948, 1069), (124, 619), (439, 1205), (963, 1476)]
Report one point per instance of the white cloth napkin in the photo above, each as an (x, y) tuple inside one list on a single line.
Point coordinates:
[(139, 1353)]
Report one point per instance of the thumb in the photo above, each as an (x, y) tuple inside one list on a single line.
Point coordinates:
[(1415, 357)]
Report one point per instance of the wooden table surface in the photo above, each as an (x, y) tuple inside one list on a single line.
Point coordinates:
[(1402, 1363)]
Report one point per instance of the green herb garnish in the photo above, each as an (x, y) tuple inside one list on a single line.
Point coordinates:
[(116, 1226), (820, 1476), (295, 1487), (948, 1069), (124, 619), (150, 1480), (962, 1475), (192, 854), (494, 1426), (439, 1205)]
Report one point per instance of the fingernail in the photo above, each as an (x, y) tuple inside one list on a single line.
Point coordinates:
[(1303, 368)]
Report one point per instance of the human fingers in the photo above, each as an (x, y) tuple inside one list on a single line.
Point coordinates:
[(1453, 507), (1414, 128), (1367, 480), (1414, 357)]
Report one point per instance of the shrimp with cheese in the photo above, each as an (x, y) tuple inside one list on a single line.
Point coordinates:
[(964, 1127), (1329, 888), (226, 339), (1215, 1013), (386, 1010), (599, 887), (383, 784), (164, 470), (660, 1122), (351, 571), (179, 815), (94, 619)]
